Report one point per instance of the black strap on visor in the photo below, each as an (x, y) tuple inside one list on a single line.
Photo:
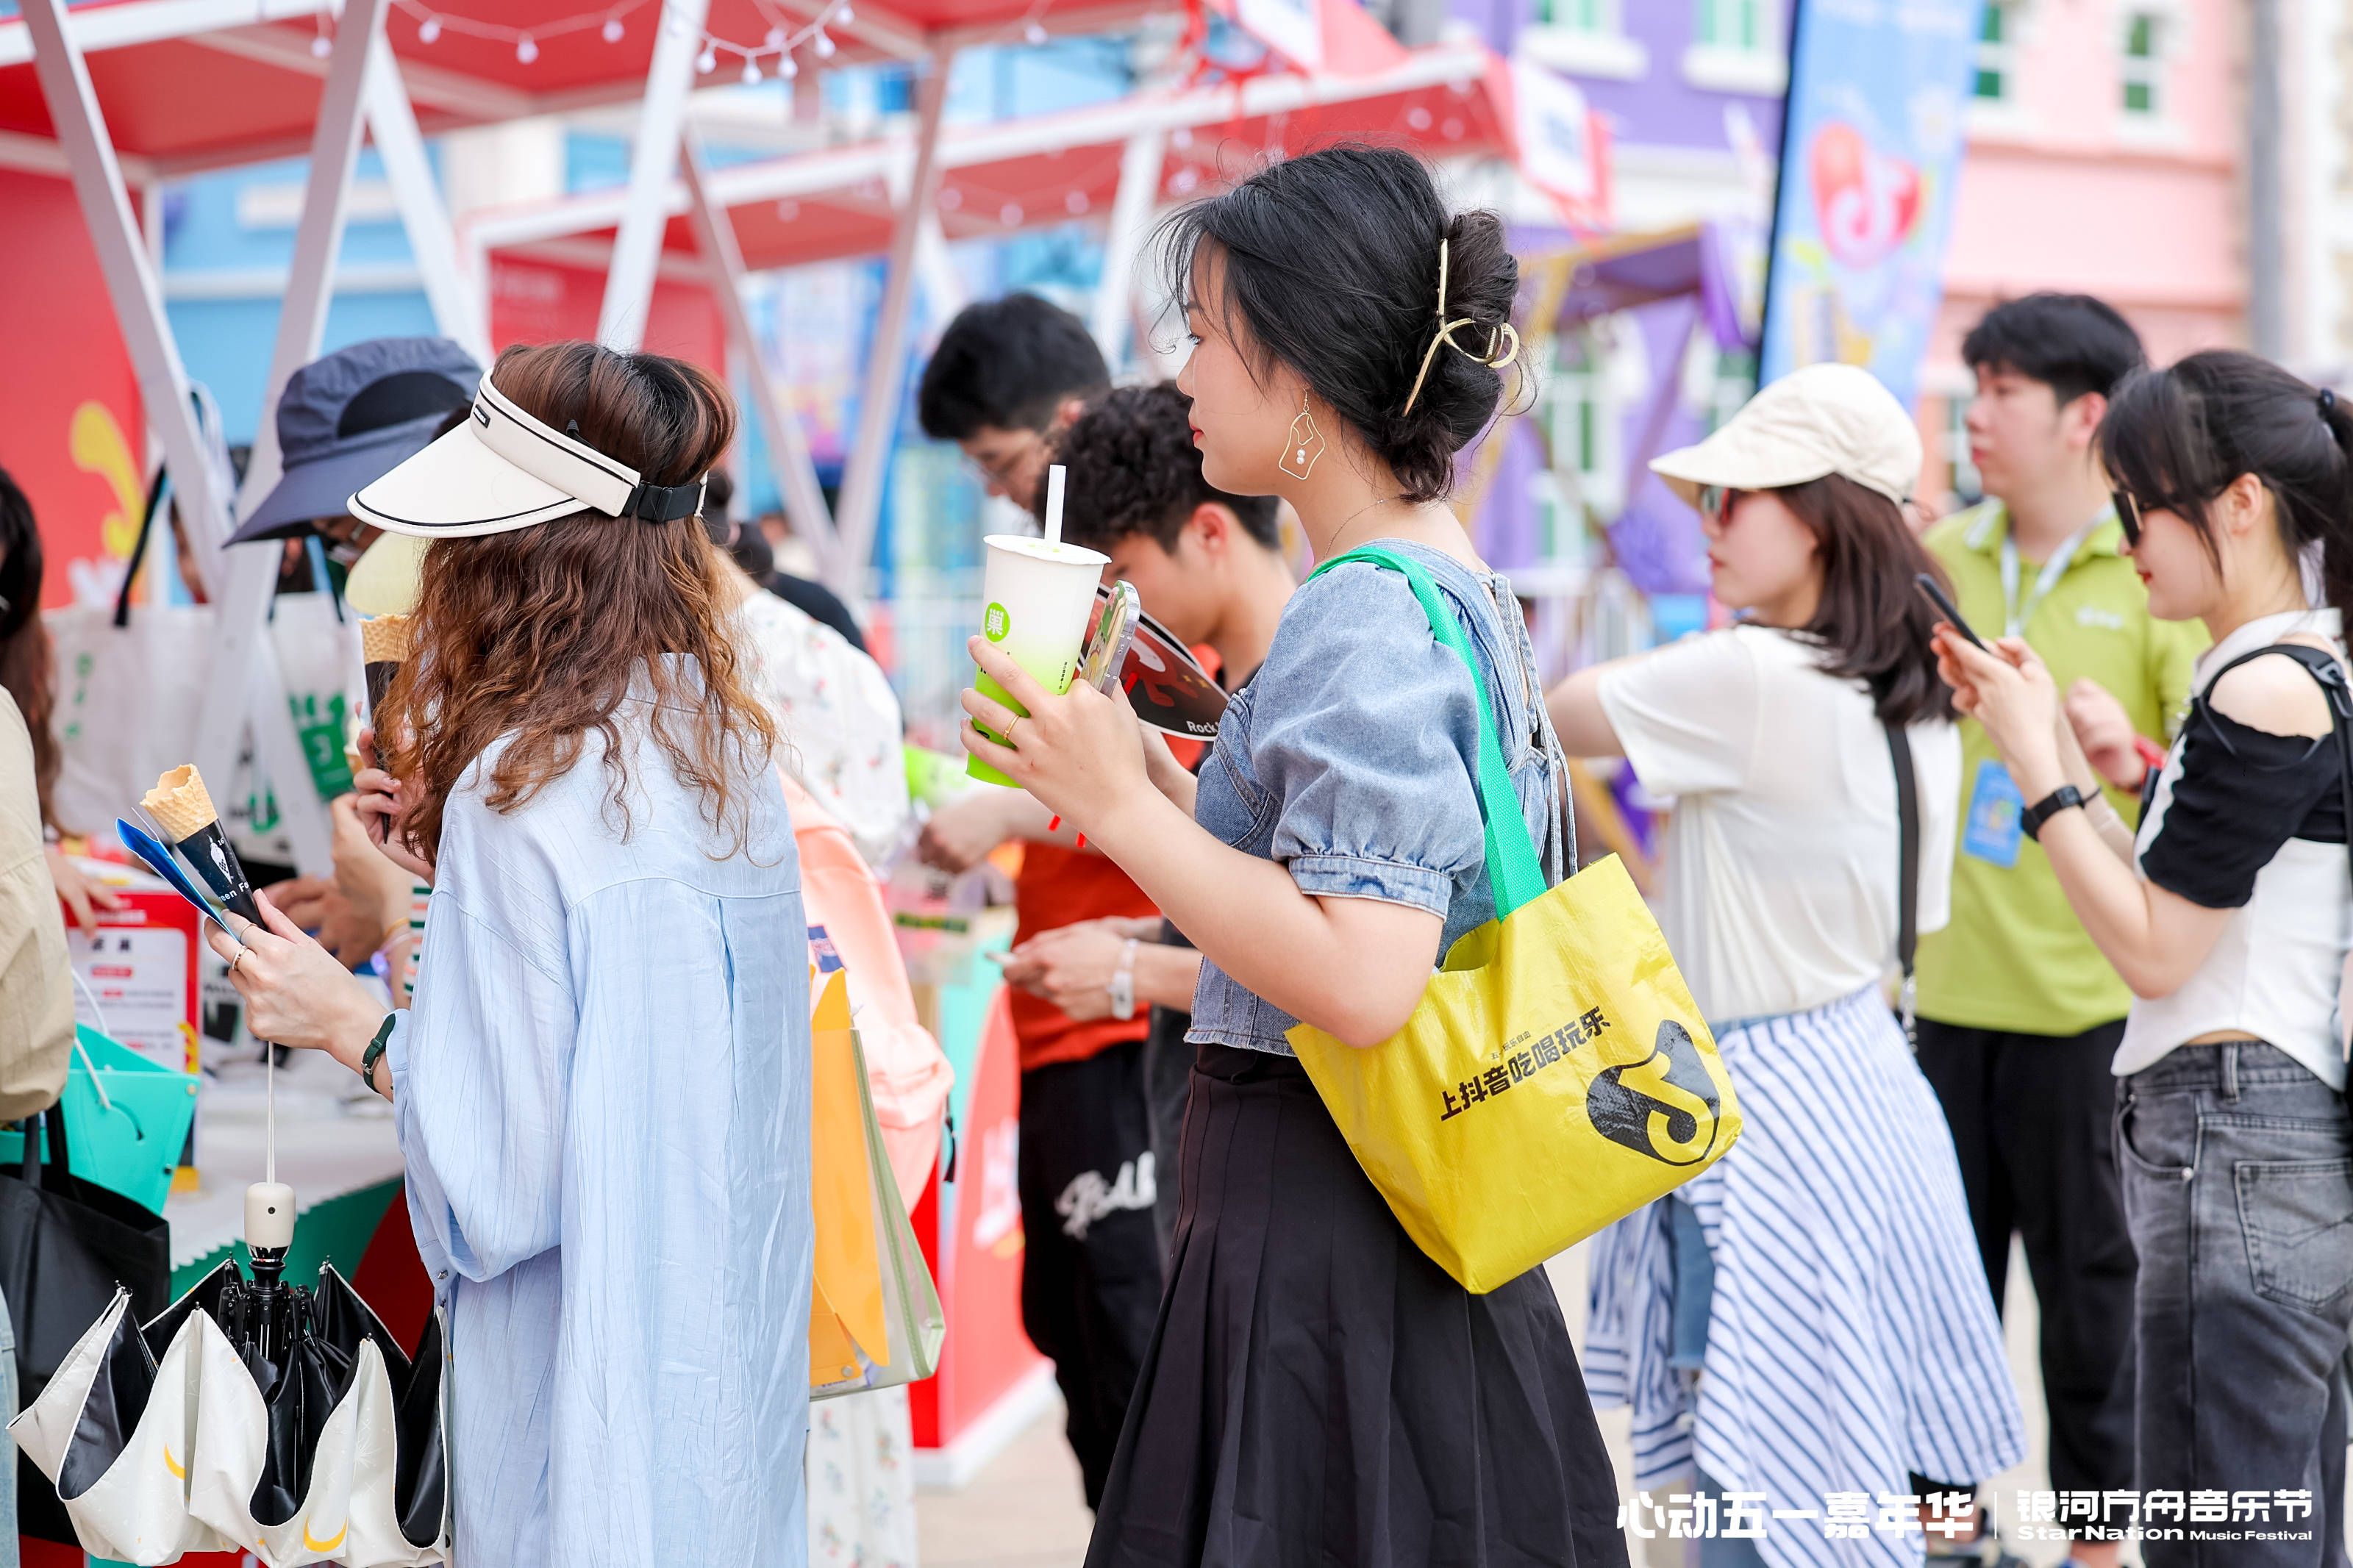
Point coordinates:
[(665, 503)]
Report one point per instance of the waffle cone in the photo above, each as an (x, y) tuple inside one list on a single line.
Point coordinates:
[(179, 803), (385, 639)]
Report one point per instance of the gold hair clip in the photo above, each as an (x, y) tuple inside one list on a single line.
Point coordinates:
[(1495, 337)]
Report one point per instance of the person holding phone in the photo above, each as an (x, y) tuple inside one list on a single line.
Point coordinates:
[(1318, 1389), (2020, 1014), (1008, 375), (1208, 567), (602, 1089), (1804, 1317), (2230, 913)]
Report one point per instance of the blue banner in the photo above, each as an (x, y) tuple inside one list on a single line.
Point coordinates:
[(1871, 150)]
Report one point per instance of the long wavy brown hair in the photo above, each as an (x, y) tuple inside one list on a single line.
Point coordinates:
[(537, 634)]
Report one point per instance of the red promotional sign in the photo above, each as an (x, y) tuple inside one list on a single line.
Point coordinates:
[(974, 1243), (70, 429), (535, 302)]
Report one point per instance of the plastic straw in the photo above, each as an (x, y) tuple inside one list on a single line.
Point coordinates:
[(1055, 504)]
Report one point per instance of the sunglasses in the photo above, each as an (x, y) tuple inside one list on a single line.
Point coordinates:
[(1715, 503), (2128, 514)]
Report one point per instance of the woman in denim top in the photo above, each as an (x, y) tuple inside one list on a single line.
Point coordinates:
[(1317, 1389)]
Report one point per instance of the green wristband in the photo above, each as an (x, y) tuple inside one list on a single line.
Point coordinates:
[(375, 1052)]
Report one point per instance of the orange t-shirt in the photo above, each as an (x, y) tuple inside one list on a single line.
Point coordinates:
[(1061, 887)]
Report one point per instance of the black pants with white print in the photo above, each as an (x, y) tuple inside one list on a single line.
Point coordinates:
[(1091, 1273)]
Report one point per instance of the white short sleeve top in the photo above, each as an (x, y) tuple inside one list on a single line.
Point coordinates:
[(1780, 854)]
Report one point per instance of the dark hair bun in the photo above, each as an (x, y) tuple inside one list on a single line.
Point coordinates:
[(1331, 260)]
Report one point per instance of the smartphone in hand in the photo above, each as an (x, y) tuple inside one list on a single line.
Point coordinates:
[(1946, 607), (1116, 617)]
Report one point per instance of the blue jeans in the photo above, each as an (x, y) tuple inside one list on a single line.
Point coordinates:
[(2238, 1183)]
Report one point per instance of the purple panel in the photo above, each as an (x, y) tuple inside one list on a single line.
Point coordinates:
[(1504, 531), (1663, 108), (1719, 290), (1657, 538), (1672, 268), (1499, 21)]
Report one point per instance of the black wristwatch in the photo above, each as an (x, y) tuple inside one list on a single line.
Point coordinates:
[(375, 1052), (2033, 818)]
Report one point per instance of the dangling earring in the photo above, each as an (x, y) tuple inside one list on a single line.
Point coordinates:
[(1306, 444)]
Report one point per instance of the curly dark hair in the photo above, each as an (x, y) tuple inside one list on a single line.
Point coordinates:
[(1332, 263), (1133, 469)]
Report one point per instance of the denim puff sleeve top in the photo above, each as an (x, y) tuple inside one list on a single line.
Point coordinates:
[(1349, 758)]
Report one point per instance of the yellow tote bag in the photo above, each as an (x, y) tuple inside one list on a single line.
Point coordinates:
[(875, 1314), (1557, 1074)]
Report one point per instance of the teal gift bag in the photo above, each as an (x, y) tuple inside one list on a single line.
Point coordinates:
[(126, 1120)]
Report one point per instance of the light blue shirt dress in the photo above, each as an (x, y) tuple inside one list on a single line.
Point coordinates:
[(603, 1098)]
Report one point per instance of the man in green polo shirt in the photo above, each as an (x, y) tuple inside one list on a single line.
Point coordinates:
[(2018, 1013)]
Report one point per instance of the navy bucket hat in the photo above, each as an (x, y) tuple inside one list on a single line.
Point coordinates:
[(348, 418)]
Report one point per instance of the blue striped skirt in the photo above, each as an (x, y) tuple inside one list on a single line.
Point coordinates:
[(1851, 1341)]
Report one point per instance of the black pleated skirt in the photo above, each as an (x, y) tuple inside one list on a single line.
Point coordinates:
[(1319, 1392)]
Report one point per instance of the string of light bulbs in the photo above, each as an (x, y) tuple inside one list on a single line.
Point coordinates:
[(611, 23), (781, 41)]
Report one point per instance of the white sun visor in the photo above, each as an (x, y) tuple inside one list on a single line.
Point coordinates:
[(503, 469)]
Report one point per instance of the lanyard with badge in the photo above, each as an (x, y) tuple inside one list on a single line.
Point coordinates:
[(1990, 832), (2014, 615)]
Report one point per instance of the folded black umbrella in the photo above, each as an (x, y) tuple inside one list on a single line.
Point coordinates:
[(249, 1415)]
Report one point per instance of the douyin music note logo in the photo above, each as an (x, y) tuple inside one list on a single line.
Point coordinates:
[(1664, 1106)]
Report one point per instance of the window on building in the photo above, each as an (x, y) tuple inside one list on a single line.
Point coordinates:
[(1585, 38), (1997, 51), (1732, 25), (2143, 62), (1584, 444), (1599, 17), (1732, 383)]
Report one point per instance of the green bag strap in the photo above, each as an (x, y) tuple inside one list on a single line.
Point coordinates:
[(1511, 863)]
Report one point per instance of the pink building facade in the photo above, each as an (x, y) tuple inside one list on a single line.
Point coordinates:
[(2105, 158)]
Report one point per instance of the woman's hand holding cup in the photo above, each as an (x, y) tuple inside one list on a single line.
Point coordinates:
[(1079, 753)]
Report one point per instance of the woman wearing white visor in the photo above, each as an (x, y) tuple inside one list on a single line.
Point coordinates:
[(1806, 1319), (602, 1086)]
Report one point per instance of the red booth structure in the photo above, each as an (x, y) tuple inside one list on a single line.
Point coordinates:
[(906, 194), (118, 96), (992, 1383)]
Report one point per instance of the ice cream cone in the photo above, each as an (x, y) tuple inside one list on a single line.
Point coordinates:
[(385, 639), (182, 808), (384, 643), (180, 804)]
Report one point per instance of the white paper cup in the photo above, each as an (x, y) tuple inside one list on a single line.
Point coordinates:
[(1038, 598)]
